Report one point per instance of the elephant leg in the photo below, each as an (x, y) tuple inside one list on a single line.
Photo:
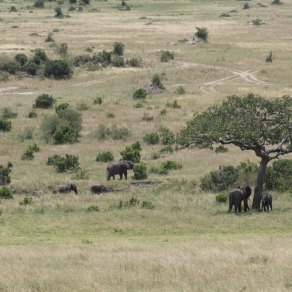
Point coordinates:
[(230, 207), (239, 208), (121, 175), (126, 174), (271, 206)]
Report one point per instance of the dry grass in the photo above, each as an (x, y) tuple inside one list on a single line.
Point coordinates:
[(188, 242)]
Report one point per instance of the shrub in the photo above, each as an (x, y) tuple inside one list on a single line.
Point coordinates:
[(5, 174), (140, 171), (147, 205), (64, 134), (119, 49), (147, 118), (117, 61), (247, 173), (32, 115), (93, 208), (151, 138), (26, 201), (59, 12), (50, 38), (44, 101), (174, 104), (222, 198), (5, 193), (40, 54), (7, 113), (166, 136), (27, 155), (73, 1), (221, 149), (246, 6), (64, 164), (119, 133), (279, 175), (166, 56), (156, 81), (58, 69), (80, 174), (170, 165), (5, 125), (180, 90), (61, 107), (27, 134), (138, 105), (202, 33), (105, 156), (63, 49), (21, 59), (104, 58), (140, 94), (11, 67), (256, 21), (98, 100), (132, 152), (39, 3), (276, 2), (82, 106), (134, 62), (110, 115), (31, 68), (13, 9), (166, 149), (221, 179), (80, 60)]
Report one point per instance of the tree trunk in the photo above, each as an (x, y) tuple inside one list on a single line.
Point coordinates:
[(259, 184)]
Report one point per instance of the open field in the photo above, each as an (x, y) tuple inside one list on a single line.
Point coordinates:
[(188, 242)]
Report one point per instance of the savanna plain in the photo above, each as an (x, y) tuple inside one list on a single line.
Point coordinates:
[(186, 241)]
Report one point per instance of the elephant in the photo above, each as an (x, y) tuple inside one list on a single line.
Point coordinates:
[(237, 196), (119, 167), (67, 188), (267, 202), (98, 189)]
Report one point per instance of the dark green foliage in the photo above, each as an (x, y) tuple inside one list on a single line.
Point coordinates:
[(166, 149), (59, 12), (39, 3), (73, 1), (10, 66), (93, 208), (85, 2), (247, 173), (44, 101), (5, 193), (64, 134), (63, 49), (5, 125), (156, 82), (256, 21), (119, 49), (81, 60), (117, 61), (222, 198), (279, 175), (276, 2), (31, 68), (104, 58), (221, 149), (147, 118), (140, 171), (4, 174), (8, 113), (221, 179), (61, 107), (224, 14), (165, 166), (26, 201), (13, 9), (151, 138), (140, 94), (32, 115), (147, 205), (64, 164), (21, 59), (132, 152), (246, 6), (166, 136), (40, 54), (105, 156), (98, 100), (133, 202), (202, 33), (29, 153), (166, 56), (50, 38), (134, 62), (58, 69)]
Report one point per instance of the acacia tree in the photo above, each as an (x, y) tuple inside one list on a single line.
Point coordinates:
[(251, 123)]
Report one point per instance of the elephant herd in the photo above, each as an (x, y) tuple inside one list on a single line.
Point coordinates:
[(242, 194), (120, 168)]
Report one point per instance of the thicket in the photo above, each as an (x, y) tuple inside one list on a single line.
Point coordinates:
[(44, 101), (202, 33), (5, 173), (132, 152), (29, 153), (140, 94), (5, 193), (64, 163), (5, 125), (152, 138), (63, 127)]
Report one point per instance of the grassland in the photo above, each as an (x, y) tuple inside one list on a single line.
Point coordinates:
[(187, 242)]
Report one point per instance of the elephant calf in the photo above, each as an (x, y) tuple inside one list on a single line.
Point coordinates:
[(67, 188), (98, 189), (237, 196), (267, 202)]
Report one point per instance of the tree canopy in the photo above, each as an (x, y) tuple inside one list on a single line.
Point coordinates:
[(251, 123)]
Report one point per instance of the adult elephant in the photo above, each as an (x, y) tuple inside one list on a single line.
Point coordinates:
[(237, 196), (98, 189), (67, 188), (119, 167), (267, 202)]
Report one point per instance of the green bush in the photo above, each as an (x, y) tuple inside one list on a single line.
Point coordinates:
[(13, 9), (152, 138), (64, 134), (119, 49), (180, 90), (174, 104), (5, 174), (93, 208), (134, 62), (10, 66), (147, 118), (58, 69), (279, 175), (104, 58), (156, 82), (8, 113), (166, 136), (26, 201), (170, 165), (202, 33), (117, 61), (166, 149), (246, 6), (61, 106), (27, 134), (27, 155), (222, 198), (64, 164), (276, 2), (5, 193), (132, 152), (59, 12), (21, 59), (105, 156), (140, 171), (166, 56), (147, 205), (44, 101), (221, 149), (80, 174), (140, 94), (5, 125), (97, 100), (39, 3), (31, 68), (40, 55)]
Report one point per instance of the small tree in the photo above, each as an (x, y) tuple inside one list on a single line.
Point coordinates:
[(58, 69), (250, 123), (119, 49), (105, 156), (202, 33), (140, 94), (21, 59), (44, 101), (5, 125), (140, 171), (59, 12), (5, 174), (132, 152)]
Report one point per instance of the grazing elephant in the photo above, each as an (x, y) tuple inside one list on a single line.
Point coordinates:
[(119, 167), (237, 196), (67, 188), (267, 202), (98, 189)]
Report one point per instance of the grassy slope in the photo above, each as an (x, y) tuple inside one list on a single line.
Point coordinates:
[(188, 242)]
